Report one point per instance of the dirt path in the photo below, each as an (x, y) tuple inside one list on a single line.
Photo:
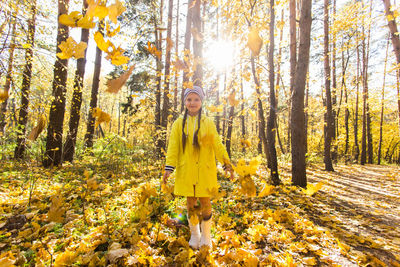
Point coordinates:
[(361, 207)]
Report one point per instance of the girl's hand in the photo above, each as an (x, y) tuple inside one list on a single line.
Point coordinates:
[(166, 175), (228, 168)]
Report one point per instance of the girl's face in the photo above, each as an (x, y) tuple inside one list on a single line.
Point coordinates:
[(193, 103)]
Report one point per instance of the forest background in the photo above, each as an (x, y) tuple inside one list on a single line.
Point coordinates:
[(94, 88)]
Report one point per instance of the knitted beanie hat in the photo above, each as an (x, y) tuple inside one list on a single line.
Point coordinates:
[(197, 90)]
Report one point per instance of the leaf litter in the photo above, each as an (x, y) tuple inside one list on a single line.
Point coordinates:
[(91, 214)]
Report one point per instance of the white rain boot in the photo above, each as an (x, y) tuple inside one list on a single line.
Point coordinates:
[(206, 233), (194, 241)]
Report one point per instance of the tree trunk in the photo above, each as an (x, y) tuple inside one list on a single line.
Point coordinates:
[(356, 147), (166, 104), (7, 85), (369, 131), (271, 126), (76, 102), (298, 138), (335, 114), (329, 128), (197, 45), (229, 131), (186, 50), (26, 84), (382, 103), (278, 78), (95, 91), (261, 118), (293, 61), (346, 110), (242, 118), (176, 53)]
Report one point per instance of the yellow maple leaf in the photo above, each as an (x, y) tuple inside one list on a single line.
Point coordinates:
[(97, 8), (194, 219), (153, 50), (215, 194), (114, 85), (41, 123), (3, 96), (313, 188), (92, 183), (115, 10), (66, 258), (254, 41), (7, 259), (70, 48), (179, 64), (266, 191), (101, 43), (213, 108), (57, 210), (116, 56), (248, 187), (232, 99), (245, 143), (100, 116), (310, 261), (76, 19)]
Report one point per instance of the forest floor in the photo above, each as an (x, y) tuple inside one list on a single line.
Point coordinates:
[(113, 211)]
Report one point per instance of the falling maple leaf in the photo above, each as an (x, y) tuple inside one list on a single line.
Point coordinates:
[(213, 108), (216, 194), (179, 64), (76, 19), (153, 50), (97, 9), (254, 41), (266, 191), (70, 48), (115, 10), (114, 85), (313, 188), (100, 116), (101, 43), (41, 123), (232, 99)]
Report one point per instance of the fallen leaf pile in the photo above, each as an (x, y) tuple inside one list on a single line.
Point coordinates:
[(113, 211)]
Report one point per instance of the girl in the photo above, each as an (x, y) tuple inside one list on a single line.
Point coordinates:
[(193, 146)]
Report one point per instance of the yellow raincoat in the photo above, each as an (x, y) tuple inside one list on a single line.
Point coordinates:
[(196, 171)]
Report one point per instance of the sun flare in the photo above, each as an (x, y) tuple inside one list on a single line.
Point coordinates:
[(220, 54)]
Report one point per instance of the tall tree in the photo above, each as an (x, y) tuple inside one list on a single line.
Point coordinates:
[(335, 114), (293, 59), (166, 93), (7, 85), (95, 91), (329, 127), (356, 146), (298, 137), (395, 42), (368, 114), (26, 83), (382, 103), (76, 102), (186, 50), (271, 126), (176, 55), (197, 44), (53, 153)]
